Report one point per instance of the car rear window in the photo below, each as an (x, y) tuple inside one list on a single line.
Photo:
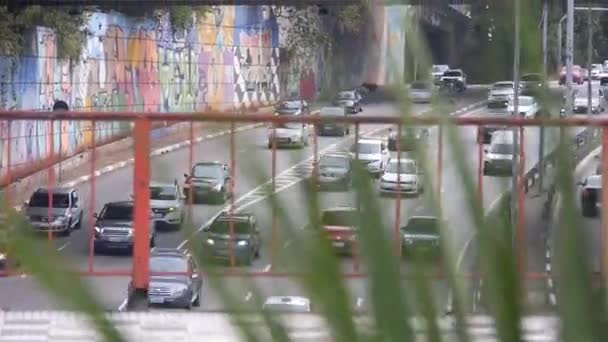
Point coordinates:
[(117, 212), (345, 218), (41, 200), (223, 227), (165, 264), (422, 225)]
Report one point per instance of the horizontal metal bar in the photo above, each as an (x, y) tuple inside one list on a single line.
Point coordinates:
[(582, 120), (593, 9)]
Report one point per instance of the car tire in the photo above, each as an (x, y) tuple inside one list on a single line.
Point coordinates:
[(197, 301), (588, 209), (153, 241), (257, 253), (79, 224), (68, 230)]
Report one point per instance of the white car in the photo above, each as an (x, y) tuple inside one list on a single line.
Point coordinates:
[(500, 93), (437, 72), (498, 159), (421, 92), (373, 153), (527, 106), (457, 77), (596, 70), (401, 175), (287, 304), (290, 134), (166, 204), (581, 103)]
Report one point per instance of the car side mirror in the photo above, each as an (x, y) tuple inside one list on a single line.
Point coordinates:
[(485, 150), (131, 196), (95, 215), (26, 203), (185, 175), (195, 275)]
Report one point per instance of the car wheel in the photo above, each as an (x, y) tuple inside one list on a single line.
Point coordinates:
[(79, 224), (197, 300), (153, 241), (188, 305), (68, 230), (257, 252), (589, 209)]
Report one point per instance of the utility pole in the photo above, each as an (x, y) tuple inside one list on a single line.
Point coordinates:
[(545, 110), (515, 163), (589, 59)]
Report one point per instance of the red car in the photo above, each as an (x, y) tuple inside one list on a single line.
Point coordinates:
[(339, 225), (577, 75)]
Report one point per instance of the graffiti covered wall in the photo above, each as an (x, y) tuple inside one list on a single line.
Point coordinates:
[(223, 61)]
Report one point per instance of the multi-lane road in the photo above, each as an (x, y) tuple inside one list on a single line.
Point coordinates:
[(22, 293)]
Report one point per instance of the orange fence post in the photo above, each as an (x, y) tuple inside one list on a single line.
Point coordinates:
[(141, 191), (604, 210), (521, 224), (92, 199), (397, 236)]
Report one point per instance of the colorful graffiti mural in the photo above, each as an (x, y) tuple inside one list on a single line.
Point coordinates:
[(394, 43), (225, 60)]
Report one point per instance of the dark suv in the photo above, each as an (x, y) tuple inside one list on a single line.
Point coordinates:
[(245, 242), (114, 227), (175, 279), (209, 181)]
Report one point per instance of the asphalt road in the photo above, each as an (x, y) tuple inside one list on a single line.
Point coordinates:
[(23, 293)]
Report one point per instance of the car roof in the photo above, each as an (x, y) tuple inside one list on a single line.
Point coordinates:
[(401, 160), (173, 252), (336, 155), (422, 217), (335, 110), (55, 190), (370, 141), (240, 216), (339, 208), (120, 203), (503, 82), (162, 184), (218, 163), (290, 300), (450, 70)]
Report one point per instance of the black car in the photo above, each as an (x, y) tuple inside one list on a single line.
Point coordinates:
[(333, 128), (410, 137), (114, 227), (292, 107), (175, 279), (335, 171), (238, 235), (349, 99), (531, 84), (209, 181), (420, 236)]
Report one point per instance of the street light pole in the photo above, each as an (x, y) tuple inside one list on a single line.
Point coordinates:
[(515, 163), (569, 55), (559, 42)]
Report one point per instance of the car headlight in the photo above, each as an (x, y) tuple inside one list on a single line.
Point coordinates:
[(171, 209), (210, 242), (242, 243), (60, 219), (375, 162), (179, 290), (217, 187), (408, 241)]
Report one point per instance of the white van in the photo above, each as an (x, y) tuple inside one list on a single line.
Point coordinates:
[(498, 157)]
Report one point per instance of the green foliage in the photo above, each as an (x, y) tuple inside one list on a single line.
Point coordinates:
[(182, 16)]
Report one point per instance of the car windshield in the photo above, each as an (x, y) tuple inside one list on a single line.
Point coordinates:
[(438, 68), (280, 307), (346, 95), (290, 105), (501, 148), (162, 193), (453, 74), (336, 111), (344, 218), (503, 86), (223, 227), (117, 212), (523, 101), (41, 200), (290, 125), (421, 86), (533, 78), (406, 167), (604, 81), (165, 264), (211, 171), (422, 226), (337, 162), (365, 148)]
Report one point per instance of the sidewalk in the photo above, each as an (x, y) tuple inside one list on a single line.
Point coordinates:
[(537, 222)]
